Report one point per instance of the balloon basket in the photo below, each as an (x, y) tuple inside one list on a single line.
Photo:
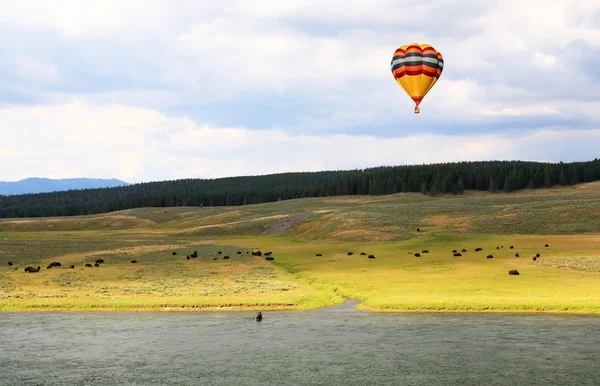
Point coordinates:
[(417, 111)]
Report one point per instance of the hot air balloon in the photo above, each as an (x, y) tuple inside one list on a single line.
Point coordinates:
[(416, 68)]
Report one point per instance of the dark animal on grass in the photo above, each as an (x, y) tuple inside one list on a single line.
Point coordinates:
[(96, 265), (371, 256), (464, 250), (417, 254), (454, 251), (220, 252), (258, 316), (49, 266), (133, 261), (187, 257), (512, 246), (225, 257), (537, 255), (99, 261), (318, 254), (10, 263), (478, 249), (32, 270), (425, 251), (56, 264), (534, 258), (350, 253), (457, 254), (497, 247), (269, 258), (88, 265), (257, 253), (363, 254), (513, 272), (268, 253), (174, 253), (418, 230), (239, 253), (72, 267), (490, 256), (546, 245), (516, 255)]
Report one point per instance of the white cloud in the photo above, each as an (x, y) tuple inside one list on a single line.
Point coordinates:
[(134, 144)]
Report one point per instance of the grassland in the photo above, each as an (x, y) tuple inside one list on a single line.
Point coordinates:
[(566, 278)]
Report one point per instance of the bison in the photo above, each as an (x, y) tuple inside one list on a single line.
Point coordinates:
[(512, 246), (257, 253), (319, 254), (478, 249), (258, 316), (425, 251), (363, 254), (187, 257), (537, 255), (418, 230), (240, 252), (350, 253), (546, 245), (32, 270), (417, 254), (371, 256), (88, 265), (458, 254), (174, 253), (513, 272), (454, 251), (96, 265), (534, 258), (490, 256), (99, 261), (464, 250), (220, 252), (269, 258), (497, 247), (133, 261), (516, 255), (225, 257), (72, 267), (10, 263), (268, 253)]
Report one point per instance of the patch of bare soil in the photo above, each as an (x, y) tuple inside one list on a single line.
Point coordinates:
[(284, 224)]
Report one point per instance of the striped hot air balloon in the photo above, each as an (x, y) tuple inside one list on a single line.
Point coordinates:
[(416, 68)]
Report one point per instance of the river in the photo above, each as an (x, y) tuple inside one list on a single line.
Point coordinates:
[(335, 346)]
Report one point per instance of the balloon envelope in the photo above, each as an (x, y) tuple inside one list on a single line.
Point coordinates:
[(416, 68)]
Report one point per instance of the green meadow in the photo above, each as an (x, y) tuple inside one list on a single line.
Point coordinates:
[(565, 278)]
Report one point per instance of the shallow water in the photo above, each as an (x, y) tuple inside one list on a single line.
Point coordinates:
[(337, 346)]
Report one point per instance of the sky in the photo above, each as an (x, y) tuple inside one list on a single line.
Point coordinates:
[(155, 90)]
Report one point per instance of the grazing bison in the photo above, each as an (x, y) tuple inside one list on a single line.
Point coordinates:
[(225, 257), (220, 252), (546, 245), (534, 258), (490, 256), (417, 254), (133, 261), (464, 250), (258, 316), (32, 270), (269, 258), (257, 253), (454, 251), (513, 272), (318, 254), (72, 267), (371, 256), (350, 253), (240, 252), (497, 247), (268, 253), (478, 249), (363, 254), (512, 246), (174, 253), (49, 266), (187, 257), (88, 265), (53, 264), (425, 251), (537, 255), (10, 263), (457, 254), (99, 261), (96, 265), (516, 255), (418, 230)]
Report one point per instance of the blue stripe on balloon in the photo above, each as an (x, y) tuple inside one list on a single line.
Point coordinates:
[(412, 54)]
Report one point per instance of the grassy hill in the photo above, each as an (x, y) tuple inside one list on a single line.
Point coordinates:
[(566, 277)]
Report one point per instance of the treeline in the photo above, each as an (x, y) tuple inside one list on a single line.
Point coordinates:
[(493, 176)]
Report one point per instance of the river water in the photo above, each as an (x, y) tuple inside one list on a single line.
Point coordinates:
[(336, 346)]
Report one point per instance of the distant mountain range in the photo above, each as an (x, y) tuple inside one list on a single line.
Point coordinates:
[(43, 185)]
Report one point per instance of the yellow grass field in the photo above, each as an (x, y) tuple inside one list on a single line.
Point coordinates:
[(565, 278)]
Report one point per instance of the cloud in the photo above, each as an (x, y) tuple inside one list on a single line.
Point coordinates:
[(135, 144)]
